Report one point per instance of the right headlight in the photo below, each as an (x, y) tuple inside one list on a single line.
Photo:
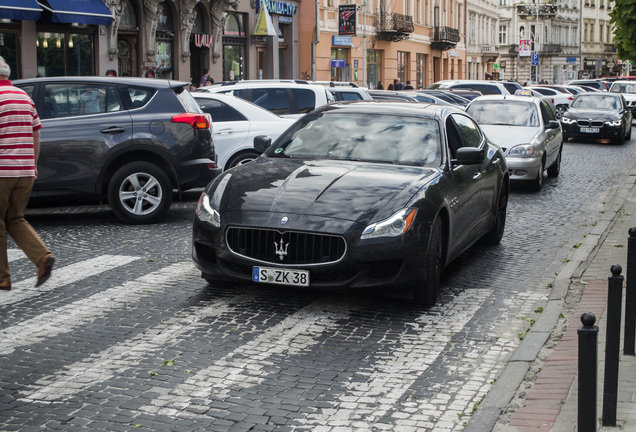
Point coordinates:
[(206, 213), (567, 120)]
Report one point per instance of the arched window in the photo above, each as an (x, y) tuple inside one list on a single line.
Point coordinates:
[(199, 24), (128, 20), (233, 25)]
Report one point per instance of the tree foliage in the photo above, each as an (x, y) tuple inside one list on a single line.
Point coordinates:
[(623, 17)]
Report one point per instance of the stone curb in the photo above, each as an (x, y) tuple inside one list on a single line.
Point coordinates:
[(506, 386)]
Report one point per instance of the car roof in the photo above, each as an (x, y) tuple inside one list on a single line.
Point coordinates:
[(146, 82), (389, 107), (531, 99), (228, 85)]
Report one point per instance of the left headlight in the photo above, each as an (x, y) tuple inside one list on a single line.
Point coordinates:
[(613, 123), (394, 226), (567, 120), (522, 150), (206, 213)]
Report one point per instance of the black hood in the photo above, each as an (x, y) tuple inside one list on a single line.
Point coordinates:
[(355, 191), (592, 114)]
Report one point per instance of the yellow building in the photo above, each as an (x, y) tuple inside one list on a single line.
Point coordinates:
[(371, 41)]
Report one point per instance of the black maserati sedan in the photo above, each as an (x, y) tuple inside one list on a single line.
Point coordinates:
[(356, 197), (598, 115)]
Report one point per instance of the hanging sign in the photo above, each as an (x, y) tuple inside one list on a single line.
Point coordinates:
[(525, 49), (347, 19)]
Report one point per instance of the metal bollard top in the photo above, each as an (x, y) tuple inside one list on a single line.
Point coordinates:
[(588, 319), (616, 270), (632, 232)]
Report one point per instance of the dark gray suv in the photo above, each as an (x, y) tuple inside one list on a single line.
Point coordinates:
[(128, 141)]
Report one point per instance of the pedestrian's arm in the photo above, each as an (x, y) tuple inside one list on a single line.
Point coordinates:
[(36, 145)]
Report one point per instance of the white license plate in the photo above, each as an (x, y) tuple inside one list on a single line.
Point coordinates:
[(280, 276), (590, 130)]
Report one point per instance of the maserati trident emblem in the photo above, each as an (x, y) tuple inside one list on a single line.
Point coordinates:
[(281, 249)]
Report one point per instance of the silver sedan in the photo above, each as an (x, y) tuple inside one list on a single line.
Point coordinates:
[(527, 131)]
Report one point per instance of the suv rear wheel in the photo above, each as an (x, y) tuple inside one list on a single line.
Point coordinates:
[(140, 193)]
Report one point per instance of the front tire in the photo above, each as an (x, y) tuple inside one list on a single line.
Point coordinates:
[(496, 233), (140, 193), (241, 159), (555, 169), (537, 183), (428, 291)]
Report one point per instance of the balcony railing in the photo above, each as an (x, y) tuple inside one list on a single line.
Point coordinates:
[(610, 48), (545, 11), (445, 38), (393, 27), (489, 50), (547, 48)]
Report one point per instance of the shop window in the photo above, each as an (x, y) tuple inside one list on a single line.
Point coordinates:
[(128, 20), (60, 54), (9, 51)]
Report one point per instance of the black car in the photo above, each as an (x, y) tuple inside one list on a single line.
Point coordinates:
[(128, 141), (354, 197), (598, 115)]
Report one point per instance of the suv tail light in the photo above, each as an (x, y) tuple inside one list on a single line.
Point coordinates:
[(197, 121)]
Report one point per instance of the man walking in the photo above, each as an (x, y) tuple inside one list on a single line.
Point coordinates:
[(19, 151)]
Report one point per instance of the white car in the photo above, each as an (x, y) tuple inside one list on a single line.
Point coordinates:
[(235, 123), (482, 86), (560, 101), (628, 90), (286, 98), (527, 131)]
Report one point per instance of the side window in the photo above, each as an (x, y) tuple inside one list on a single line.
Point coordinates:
[(347, 96), (136, 97), (28, 89), (220, 111), (70, 100), (305, 100), (273, 99), (468, 130), (546, 112)]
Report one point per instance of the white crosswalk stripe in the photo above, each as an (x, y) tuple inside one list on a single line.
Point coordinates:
[(15, 254), (71, 316), (103, 366), (244, 367), (63, 276)]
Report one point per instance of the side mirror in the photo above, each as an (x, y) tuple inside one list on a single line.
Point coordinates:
[(552, 124), (468, 156), (262, 143)]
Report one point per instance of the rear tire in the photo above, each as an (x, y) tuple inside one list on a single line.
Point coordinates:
[(140, 193), (241, 159), (428, 291)]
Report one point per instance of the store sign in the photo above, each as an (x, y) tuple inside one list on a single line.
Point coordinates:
[(347, 19), (341, 41), (278, 8), (338, 63), (203, 40), (571, 59)]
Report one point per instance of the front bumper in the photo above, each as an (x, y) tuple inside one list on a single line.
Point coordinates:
[(521, 169), (369, 264), (574, 130)]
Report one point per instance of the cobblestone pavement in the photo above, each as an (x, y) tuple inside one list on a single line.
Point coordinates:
[(126, 335)]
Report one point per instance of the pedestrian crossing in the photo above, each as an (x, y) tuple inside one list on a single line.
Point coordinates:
[(377, 386)]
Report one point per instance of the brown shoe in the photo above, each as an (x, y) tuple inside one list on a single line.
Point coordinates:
[(5, 286), (44, 269)]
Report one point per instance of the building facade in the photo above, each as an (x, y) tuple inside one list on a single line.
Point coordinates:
[(483, 45), (165, 39)]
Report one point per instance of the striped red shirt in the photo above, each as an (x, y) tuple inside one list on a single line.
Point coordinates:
[(18, 120)]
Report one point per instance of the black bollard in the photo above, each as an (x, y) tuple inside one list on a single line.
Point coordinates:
[(612, 345), (630, 295), (588, 363)]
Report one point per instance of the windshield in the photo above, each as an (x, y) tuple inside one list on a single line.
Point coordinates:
[(596, 102), (623, 88), (505, 113), (368, 137)]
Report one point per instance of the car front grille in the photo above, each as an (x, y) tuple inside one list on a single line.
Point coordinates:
[(590, 123), (285, 247)]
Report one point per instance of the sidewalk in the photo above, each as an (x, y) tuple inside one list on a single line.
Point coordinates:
[(538, 390)]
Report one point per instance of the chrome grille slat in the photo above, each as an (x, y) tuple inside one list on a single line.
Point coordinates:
[(298, 248)]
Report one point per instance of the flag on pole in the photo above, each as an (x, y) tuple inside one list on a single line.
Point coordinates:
[(264, 25)]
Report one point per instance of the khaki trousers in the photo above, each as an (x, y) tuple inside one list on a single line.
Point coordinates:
[(14, 197)]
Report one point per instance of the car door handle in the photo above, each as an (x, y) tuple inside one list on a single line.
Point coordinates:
[(225, 131), (477, 176), (113, 130), (496, 161)]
